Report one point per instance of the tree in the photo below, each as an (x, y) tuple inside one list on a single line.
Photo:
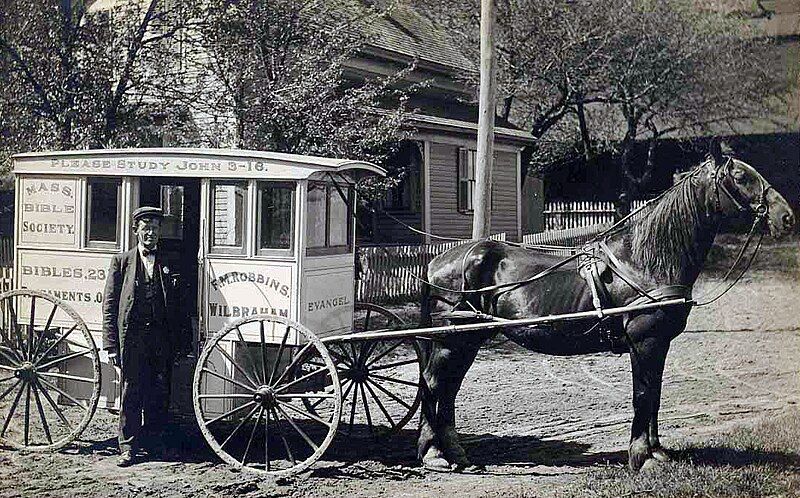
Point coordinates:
[(76, 78), (276, 74)]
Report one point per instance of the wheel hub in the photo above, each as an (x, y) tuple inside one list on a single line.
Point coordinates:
[(26, 371), (265, 396)]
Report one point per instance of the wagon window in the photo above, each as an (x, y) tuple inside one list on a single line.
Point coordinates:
[(329, 220), (317, 213), (228, 200), (275, 208), (103, 211)]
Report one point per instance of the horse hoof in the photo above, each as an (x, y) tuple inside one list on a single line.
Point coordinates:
[(649, 465), (437, 464), (638, 454), (661, 455)]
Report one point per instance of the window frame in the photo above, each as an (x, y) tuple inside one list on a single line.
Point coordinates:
[(102, 244), (331, 190), (214, 249), (274, 251), (464, 156)]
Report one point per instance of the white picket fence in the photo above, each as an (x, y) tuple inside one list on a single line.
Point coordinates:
[(561, 215)]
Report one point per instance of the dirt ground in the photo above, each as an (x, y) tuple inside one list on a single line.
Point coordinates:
[(534, 421)]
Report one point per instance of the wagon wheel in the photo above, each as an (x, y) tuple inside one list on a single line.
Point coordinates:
[(380, 378), (49, 372), (249, 386)]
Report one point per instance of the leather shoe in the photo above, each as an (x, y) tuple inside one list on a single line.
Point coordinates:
[(125, 459)]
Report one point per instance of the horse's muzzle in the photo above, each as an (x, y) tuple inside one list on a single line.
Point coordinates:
[(781, 217)]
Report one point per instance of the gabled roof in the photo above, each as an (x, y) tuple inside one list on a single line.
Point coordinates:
[(405, 31)]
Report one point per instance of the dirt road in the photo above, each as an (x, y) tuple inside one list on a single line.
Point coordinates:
[(534, 421)]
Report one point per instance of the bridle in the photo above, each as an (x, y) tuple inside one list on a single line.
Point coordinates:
[(759, 209)]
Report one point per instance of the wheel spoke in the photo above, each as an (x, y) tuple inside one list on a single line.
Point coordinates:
[(61, 358), (263, 351), (300, 379), (341, 358), (15, 326), (384, 353), (44, 331), (11, 411), (366, 407), (6, 367), (395, 364), (5, 393), (266, 438), (232, 381), (16, 360), (366, 319), (58, 341), (5, 379), (397, 381), (225, 396), (40, 408), (293, 363), (30, 337), (54, 405), (305, 395), (389, 393), (229, 413), (283, 438), (27, 413), (380, 405), (239, 426), (235, 365), (250, 439), (62, 392), (296, 428), (303, 413), (68, 377), (353, 409), (247, 352), (280, 354)]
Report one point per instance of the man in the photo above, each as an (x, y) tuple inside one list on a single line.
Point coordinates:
[(141, 323)]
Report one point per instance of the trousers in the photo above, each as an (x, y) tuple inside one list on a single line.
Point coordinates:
[(144, 391)]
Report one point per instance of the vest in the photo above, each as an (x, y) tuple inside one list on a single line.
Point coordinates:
[(148, 303)]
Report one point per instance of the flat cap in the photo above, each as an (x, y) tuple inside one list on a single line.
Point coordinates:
[(147, 212)]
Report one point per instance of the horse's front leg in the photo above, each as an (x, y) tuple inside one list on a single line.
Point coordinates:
[(657, 451), (647, 362)]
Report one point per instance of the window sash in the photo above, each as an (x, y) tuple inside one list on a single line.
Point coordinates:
[(232, 241), (97, 215), (321, 220), (284, 204)]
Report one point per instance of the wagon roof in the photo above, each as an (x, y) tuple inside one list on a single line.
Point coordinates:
[(214, 163)]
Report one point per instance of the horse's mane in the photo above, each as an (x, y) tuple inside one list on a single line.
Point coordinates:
[(663, 236)]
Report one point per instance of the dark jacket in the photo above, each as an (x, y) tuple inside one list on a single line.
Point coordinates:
[(118, 303)]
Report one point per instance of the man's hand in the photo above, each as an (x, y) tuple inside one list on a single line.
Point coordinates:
[(114, 358)]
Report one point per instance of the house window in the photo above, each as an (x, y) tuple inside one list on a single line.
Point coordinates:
[(405, 196), (102, 218), (329, 225), (275, 208), (228, 222), (466, 179)]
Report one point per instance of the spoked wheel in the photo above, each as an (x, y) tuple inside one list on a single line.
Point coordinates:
[(380, 378), (49, 372), (249, 389)]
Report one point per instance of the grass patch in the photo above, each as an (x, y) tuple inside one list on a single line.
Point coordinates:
[(759, 461)]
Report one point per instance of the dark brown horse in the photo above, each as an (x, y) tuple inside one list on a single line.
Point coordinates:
[(660, 251)]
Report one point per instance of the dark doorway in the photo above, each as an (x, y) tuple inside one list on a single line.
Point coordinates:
[(180, 234)]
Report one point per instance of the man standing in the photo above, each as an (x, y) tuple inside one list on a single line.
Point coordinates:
[(141, 323)]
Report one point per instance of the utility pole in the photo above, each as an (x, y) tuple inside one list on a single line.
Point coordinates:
[(482, 215)]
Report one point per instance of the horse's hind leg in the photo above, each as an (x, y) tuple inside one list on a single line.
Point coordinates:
[(449, 361), (656, 449)]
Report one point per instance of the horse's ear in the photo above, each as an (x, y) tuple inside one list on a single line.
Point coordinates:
[(715, 151)]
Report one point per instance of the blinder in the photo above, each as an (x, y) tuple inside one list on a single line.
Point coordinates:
[(760, 209)]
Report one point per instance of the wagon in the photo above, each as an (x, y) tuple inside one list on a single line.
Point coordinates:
[(263, 246)]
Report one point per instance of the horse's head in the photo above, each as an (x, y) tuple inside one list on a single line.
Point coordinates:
[(738, 187)]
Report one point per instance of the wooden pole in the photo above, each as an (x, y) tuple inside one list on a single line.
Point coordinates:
[(482, 215)]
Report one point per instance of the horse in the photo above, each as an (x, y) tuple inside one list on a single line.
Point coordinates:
[(654, 254)]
